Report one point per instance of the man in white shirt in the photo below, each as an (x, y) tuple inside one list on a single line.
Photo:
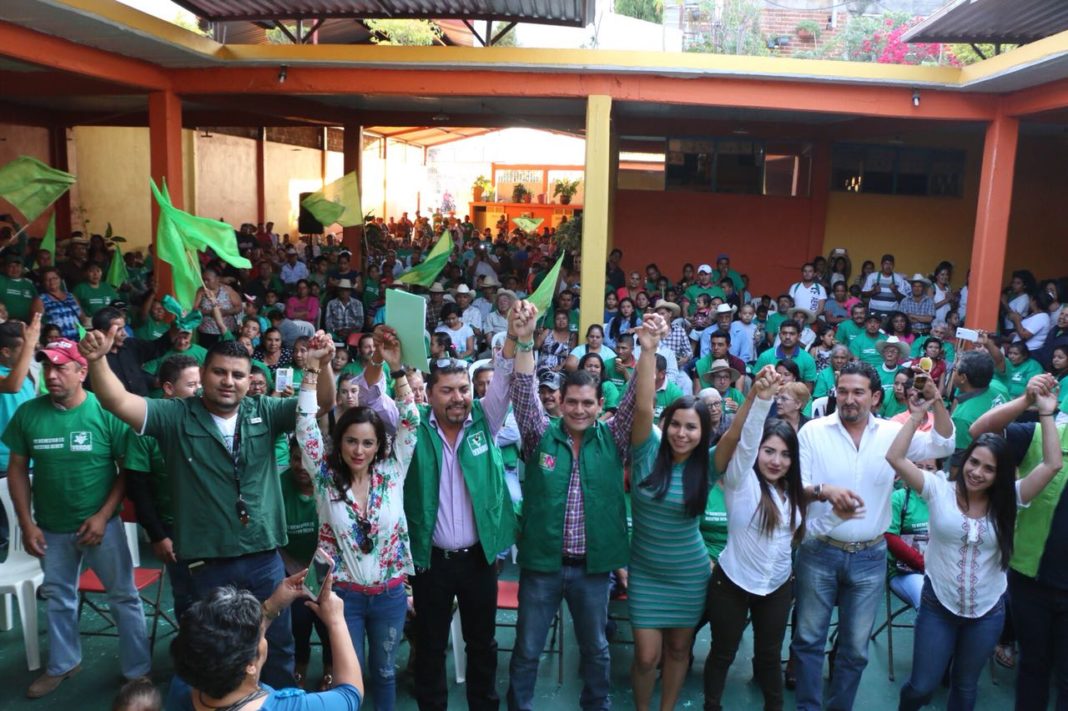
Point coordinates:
[(885, 288), (808, 293), (293, 270), (843, 462)]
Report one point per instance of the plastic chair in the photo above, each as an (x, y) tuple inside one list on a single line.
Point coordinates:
[(891, 623), (20, 576), (819, 407)]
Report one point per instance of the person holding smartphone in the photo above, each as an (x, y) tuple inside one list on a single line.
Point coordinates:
[(359, 493)]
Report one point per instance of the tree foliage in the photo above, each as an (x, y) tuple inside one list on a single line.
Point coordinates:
[(730, 27), (410, 33), (648, 10), (871, 38)]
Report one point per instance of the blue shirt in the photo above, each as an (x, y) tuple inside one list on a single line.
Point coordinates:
[(9, 402), (742, 346), (343, 697)]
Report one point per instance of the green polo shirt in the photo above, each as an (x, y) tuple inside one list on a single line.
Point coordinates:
[(94, 298), (664, 398), (201, 474), (971, 409), (695, 290), (863, 347), (847, 332), (17, 295), (73, 452), (804, 361), (302, 520), (775, 320), (1015, 377)]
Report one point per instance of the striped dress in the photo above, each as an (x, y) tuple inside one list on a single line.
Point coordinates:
[(668, 562)]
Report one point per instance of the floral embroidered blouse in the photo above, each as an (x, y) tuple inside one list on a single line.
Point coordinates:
[(340, 532)]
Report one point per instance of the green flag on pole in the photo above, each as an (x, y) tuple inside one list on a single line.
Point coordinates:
[(49, 241), (117, 272), (179, 236), (338, 202), (542, 297), (528, 224), (424, 273), (31, 186)]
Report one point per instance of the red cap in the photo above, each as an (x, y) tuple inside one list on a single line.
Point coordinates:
[(62, 351)]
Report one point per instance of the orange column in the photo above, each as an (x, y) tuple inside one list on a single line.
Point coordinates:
[(352, 237), (57, 153), (820, 189), (992, 222), (261, 180), (165, 141)]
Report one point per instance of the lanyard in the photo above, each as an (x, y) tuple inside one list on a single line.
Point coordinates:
[(235, 455)]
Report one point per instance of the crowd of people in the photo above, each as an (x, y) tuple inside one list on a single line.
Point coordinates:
[(710, 453)]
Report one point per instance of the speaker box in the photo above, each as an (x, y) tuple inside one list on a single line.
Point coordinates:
[(306, 222)]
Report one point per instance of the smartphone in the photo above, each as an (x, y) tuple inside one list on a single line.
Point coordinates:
[(318, 569), (919, 381), (968, 334), (283, 379)]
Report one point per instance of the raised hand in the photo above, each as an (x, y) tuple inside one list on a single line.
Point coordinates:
[(522, 319), (652, 329), (388, 346), (31, 333), (767, 382), (921, 403), (929, 392), (97, 344), (1042, 391), (321, 348)]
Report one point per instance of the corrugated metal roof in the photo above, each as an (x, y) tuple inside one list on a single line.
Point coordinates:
[(992, 21), (560, 12)]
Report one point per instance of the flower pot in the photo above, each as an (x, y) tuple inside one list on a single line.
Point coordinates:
[(541, 198), (477, 192), (565, 199), (527, 198)]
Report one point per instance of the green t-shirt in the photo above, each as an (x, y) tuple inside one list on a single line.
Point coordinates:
[(196, 352), (912, 527), (863, 347), (664, 398), (372, 293), (886, 379), (612, 394), (695, 290), (151, 329), (847, 331), (714, 523), (17, 295), (805, 362), (572, 319), (949, 353), (302, 520), (611, 376), (774, 320), (968, 411), (144, 455), (1015, 377), (94, 298), (201, 473), (73, 452), (824, 383)]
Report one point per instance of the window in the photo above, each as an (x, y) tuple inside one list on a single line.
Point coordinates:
[(738, 165), (897, 170)]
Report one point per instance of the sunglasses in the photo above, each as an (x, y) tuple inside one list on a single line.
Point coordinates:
[(363, 529)]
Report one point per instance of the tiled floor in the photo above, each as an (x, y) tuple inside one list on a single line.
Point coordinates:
[(95, 687)]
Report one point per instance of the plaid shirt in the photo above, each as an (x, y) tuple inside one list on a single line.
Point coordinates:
[(533, 422), (678, 341), (340, 315), (923, 307)]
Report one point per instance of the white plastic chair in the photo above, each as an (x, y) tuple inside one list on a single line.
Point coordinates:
[(819, 407), (20, 576)]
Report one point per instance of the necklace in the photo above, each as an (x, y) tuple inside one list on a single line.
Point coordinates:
[(260, 692)]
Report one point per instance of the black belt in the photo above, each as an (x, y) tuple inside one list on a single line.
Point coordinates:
[(575, 560), (448, 553), (211, 562)]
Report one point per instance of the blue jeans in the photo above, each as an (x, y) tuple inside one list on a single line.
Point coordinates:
[(539, 599), (854, 581), (379, 618), (940, 636), (112, 564), (260, 574)]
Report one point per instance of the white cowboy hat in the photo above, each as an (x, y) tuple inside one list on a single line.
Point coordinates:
[(810, 316), (901, 346), (664, 304), (917, 277), (344, 284), (489, 281), (437, 288), (462, 289), (726, 309)]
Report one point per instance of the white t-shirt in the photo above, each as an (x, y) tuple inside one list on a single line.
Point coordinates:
[(808, 297), (962, 560), (459, 337), (1020, 304), (884, 298), (227, 428), (1038, 326)]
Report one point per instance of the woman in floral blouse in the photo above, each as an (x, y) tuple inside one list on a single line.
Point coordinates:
[(359, 491)]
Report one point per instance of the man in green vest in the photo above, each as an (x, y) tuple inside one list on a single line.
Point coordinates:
[(977, 392), (1038, 575), (459, 517), (573, 531)]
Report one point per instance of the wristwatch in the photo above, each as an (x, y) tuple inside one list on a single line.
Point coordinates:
[(818, 491)]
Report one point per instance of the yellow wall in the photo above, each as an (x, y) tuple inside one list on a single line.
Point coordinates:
[(226, 179), (29, 141), (112, 165), (1038, 224), (289, 171)]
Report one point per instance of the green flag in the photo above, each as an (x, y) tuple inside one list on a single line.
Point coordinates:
[(179, 236), (338, 202), (31, 186), (117, 273), (427, 271), (543, 295), (528, 224), (49, 241)]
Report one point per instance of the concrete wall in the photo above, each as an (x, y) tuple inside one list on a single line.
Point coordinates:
[(226, 179), (29, 141)]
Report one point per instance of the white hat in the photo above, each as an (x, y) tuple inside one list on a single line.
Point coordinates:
[(902, 347), (670, 306), (721, 365), (437, 288), (344, 284), (704, 268), (810, 316), (917, 277), (462, 289), (489, 281), (726, 309)]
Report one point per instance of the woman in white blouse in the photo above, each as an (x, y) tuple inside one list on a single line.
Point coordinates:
[(359, 493), (765, 519), (971, 526)]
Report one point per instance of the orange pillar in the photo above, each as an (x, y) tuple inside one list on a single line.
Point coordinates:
[(820, 190), (261, 179), (352, 237), (992, 222), (165, 141), (57, 154)]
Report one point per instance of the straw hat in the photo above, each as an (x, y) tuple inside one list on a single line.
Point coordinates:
[(720, 365), (672, 307), (810, 316), (437, 288), (902, 347)]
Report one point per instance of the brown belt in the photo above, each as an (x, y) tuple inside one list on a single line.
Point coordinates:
[(851, 546)]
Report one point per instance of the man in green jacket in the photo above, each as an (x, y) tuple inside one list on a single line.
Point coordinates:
[(459, 517), (573, 531)]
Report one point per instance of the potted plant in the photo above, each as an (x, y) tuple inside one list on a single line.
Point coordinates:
[(565, 189), (519, 192), (479, 188), (808, 30)]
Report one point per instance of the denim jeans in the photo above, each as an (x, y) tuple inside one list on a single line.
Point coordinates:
[(539, 599), (854, 581), (112, 564), (379, 618), (181, 582), (1040, 613), (908, 587), (260, 574), (940, 636)]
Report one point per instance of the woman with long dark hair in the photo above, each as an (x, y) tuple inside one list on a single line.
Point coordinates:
[(359, 492), (972, 521), (765, 519), (626, 320)]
